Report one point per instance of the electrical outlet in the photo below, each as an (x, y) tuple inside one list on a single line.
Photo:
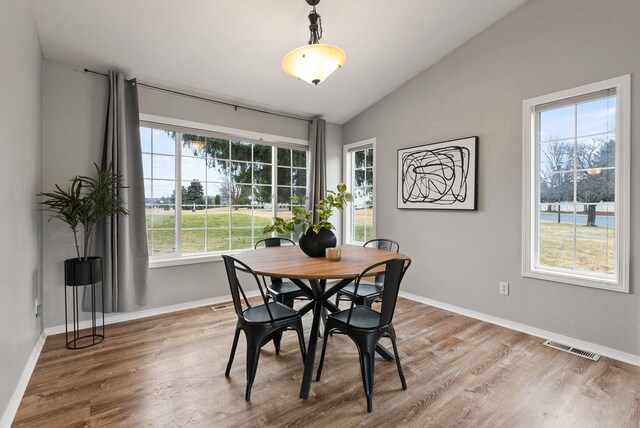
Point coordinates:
[(504, 288)]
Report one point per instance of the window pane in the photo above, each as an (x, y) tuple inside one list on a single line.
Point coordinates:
[(217, 148), (299, 177), (595, 221), (262, 196), (145, 139), (163, 242), (369, 176), (164, 142), (215, 194), (262, 153), (217, 239), (163, 191), (146, 165), (164, 167), (217, 170), (284, 176), (218, 217), (299, 158), (284, 195), (597, 116), (192, 193), (240, 150), (596, 152), (262, 217), (358, 178), (163, 217), (194, 169), (193, 216), (193, 145), (193, 241), (556, 156), (358, 159), (241, 239), (261, 173), (240, 194), (595, 255), (596, 186), (241, 172), (557, 123), (368, 158), (558, 224), (556, 252), (556, 187), (241, 217), (300, 193), (284, 157)]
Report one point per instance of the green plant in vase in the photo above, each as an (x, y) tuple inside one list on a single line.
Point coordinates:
[(318, 236)]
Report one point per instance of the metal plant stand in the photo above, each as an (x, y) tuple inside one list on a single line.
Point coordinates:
[(88, 275)]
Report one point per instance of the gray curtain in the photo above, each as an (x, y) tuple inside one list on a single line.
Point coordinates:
[(123, 240), (318, 170)]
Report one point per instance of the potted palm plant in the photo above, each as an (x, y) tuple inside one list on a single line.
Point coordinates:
[(85, 203), (315, 237)]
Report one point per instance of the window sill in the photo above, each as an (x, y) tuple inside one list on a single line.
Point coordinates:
[(572, 279), (188, 260)]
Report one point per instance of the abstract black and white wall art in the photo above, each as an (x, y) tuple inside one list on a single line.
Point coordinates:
[(439, 175)]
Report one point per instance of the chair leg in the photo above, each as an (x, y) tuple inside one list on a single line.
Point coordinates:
[(233, 350), (367, 360), (392, 336), (277, 335), (324, 350), (303, 348), (253, 355)]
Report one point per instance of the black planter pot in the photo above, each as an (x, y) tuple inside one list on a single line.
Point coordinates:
[(313, 244), (78, 272)]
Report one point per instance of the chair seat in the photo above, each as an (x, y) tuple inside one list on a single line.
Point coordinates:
[(283, 288), (278, 310), (361, 317), (364, 290)]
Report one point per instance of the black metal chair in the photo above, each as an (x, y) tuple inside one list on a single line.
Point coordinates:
[(366, 327), (368, 292), (281, 291), (259, 323)]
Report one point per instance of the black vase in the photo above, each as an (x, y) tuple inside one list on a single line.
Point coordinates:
[(313, 244), (82, 272)]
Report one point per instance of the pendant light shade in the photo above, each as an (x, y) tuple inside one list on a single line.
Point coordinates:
[(314, 62)]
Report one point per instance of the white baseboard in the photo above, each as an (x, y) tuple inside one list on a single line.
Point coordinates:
[(625, 357), (21, 387), (128, 316)]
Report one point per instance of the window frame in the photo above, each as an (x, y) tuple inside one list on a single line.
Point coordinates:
[(620, 283), (184, 126), (347, 149)]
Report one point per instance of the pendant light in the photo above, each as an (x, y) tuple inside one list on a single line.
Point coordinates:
[(314, 62)]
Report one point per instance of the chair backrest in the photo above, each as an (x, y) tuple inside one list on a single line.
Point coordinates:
[(382, 244), (393, 274), (273, 242), (232, 265)]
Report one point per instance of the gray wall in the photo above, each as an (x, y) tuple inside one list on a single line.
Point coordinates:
[(74, 108), (20, 130), (542, 47)]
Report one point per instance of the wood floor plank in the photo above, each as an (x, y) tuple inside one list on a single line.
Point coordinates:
[(168, 371)]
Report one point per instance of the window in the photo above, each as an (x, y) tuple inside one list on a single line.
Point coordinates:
[(359, 161), (577, 185), (207, 193)]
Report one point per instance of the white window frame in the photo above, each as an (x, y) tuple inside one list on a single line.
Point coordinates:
[(620, 283), (275, 141), (346, 162)]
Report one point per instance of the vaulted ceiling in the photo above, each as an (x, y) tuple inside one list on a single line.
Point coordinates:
[(232, 49)]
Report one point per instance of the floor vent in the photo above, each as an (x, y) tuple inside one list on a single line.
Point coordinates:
[(221, 307), (575, 351)]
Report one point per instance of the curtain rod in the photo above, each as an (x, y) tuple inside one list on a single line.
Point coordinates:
[(211, 100)]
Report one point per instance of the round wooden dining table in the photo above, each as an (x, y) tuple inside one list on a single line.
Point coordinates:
[(290, 262)]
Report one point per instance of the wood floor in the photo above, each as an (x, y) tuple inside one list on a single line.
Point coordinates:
[(168, 371)]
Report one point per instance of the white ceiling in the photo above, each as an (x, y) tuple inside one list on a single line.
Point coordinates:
[(232, 49)]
